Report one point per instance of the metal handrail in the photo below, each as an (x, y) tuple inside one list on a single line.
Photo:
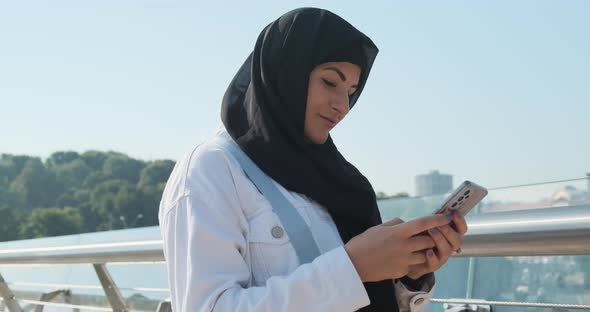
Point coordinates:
[(533, 232), (129, 251), (77, 286)]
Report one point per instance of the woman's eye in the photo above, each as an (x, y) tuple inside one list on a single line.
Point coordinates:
[(331, 84)]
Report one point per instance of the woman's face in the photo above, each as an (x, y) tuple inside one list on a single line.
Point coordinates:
[(330, 87)]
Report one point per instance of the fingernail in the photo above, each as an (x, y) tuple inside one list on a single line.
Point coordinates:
[(429, 253), (449, 217), (433, 231)]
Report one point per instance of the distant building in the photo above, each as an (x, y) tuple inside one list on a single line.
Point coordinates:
[(433, 183), (569, 196)]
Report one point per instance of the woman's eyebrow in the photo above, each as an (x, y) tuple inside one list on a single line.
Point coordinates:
[(340, 73)]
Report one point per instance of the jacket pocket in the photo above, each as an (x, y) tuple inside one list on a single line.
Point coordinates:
[(270, 247)]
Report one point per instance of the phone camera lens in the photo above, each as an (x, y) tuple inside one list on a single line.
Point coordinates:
[(460, 198), (467, 192)]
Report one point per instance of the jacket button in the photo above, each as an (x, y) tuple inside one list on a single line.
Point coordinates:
[(277, 232), (419, 301)]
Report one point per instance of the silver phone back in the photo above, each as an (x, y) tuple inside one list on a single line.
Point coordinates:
[(463, 199)]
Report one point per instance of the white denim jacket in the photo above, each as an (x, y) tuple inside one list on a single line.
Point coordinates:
[(226, 249)]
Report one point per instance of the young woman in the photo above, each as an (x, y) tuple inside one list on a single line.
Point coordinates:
[(226, 246)]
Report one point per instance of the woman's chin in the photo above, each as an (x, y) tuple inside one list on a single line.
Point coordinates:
[(322, 138), (317, 139)]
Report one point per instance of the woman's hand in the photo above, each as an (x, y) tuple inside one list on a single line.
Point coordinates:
[(392, 249), (448, 240)]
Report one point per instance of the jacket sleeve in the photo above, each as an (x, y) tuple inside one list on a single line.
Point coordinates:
[(205, 247)]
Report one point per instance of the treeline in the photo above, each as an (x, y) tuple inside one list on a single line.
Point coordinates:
[(72, 193), (383, 195)]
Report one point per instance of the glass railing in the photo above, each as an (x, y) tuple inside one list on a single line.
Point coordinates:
[(572, 192)]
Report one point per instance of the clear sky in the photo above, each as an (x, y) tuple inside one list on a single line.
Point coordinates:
[(493, 91)]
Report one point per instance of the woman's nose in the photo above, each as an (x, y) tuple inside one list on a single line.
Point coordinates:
[(340, 105)]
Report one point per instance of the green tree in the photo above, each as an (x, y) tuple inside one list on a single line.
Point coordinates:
[(114, 199), (11, 166), (11, 199), (401, 195), (152, 181), (51, 222), (73, 198), (108, 190), (94, 159), (81, 198), (8, 225), (152, 196), (94, 179), (61, 158), (37, 185), (383, 195), (71, 174), (154, 173), (122, 167)]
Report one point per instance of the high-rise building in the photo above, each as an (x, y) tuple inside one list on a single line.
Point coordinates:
[(433, 183)]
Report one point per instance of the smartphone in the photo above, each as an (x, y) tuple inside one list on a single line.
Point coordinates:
[(463, 199)]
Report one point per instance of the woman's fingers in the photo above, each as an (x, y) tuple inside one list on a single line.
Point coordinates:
[(417, 226), (432, 261), (417, 258), (442, 244), (453, 238), (460, 223), (445, 238), (420, 242)]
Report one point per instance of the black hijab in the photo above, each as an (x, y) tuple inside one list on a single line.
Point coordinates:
[(264, 112)]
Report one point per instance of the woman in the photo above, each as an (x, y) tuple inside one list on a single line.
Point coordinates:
[(225, 246)]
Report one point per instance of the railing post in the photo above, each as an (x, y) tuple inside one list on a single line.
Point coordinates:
[(47, 297), (68, 299), (9, 298), (110, 289), (164, 306)]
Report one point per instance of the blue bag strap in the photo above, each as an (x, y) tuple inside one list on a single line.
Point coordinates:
[(296, 228)]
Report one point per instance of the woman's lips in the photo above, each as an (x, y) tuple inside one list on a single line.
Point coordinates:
[(328, 121)]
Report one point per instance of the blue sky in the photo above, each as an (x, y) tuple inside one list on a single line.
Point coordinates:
[(493, 91)]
